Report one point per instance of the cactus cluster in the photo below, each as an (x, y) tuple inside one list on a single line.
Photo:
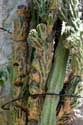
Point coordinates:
[(38, 68)]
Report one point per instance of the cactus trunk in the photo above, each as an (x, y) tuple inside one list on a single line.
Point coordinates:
[(55, 85)]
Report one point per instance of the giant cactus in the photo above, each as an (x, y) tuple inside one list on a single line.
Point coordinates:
[(40, 60), (55, 85), (19, 51), (39, 68), (72, 40), (41, 40), (74, 44)]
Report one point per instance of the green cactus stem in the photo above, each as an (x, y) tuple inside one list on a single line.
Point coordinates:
[(55, 85)]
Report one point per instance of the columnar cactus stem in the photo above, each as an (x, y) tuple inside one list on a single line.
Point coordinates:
[(55, 85), (19, 55), (41, 65)]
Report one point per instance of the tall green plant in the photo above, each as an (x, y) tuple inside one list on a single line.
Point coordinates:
[(72, 41), (55, 85)]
